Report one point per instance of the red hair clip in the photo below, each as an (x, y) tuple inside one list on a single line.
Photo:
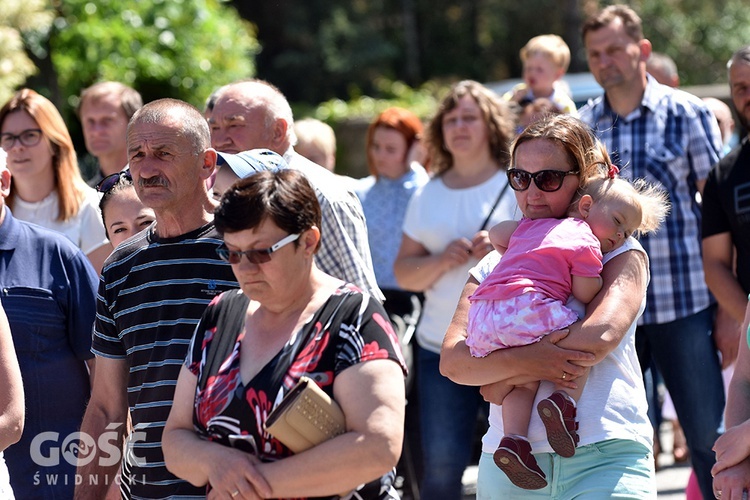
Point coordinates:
[(613, 171)]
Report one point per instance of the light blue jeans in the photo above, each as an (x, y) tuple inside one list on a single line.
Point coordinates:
[(616, 468)]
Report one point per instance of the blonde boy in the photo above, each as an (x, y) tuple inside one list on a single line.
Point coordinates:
[(545, 60)]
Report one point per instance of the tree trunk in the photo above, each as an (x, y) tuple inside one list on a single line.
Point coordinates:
[(411, 39)]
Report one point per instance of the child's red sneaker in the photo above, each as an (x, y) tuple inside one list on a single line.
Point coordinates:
[(514, 457), (558, 414)]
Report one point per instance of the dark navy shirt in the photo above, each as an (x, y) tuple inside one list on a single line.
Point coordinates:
[(49, 294)]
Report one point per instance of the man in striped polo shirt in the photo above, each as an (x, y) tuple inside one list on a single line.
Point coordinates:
[(153, 290)]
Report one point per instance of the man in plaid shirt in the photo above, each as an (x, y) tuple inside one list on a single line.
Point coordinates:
[(669, 137)]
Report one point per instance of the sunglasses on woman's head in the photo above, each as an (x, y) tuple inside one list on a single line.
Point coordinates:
[(546, 180), (255, 256), (105, 185)]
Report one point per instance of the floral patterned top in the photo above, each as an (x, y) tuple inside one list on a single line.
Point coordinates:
[(350, 328)]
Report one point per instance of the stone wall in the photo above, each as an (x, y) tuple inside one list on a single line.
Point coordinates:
[(350, 148)]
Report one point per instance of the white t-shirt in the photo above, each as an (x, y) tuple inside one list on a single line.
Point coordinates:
[(437, 215), (85, 229), (613, 404), (6, 492)]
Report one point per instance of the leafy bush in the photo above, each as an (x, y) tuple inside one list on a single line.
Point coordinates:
[(422, 101), (17, 19), (163, 48)]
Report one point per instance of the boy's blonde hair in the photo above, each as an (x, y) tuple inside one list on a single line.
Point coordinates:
[(650, 199), (312, 131), (551, 46)]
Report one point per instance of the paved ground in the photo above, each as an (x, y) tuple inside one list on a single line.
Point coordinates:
[(671, 478)]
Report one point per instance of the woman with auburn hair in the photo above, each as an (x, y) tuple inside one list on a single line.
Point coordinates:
[(444, 235), (396, 160), (47, 187), (393, 138)]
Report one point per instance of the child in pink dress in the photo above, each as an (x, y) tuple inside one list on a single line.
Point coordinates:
[(544, 262)]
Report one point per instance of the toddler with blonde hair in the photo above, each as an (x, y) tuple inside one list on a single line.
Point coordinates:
[(545, 61)]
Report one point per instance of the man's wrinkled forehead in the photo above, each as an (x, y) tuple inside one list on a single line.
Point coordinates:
[(155, 135), (237, 101), (217, 118), (96, 101)]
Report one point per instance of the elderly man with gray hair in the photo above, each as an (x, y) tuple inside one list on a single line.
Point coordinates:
[(255, 114)]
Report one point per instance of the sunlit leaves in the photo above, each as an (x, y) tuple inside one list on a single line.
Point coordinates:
[(167, 48), (30, 20)]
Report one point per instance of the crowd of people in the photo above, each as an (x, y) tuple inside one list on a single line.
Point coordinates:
[(515, 263)]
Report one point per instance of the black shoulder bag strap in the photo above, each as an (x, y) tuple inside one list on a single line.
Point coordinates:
[(229, 323), (494, 206)]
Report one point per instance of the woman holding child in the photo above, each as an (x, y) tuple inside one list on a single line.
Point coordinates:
[(613, 457)]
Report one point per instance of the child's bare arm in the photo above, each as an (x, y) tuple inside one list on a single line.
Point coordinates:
[(500, 234), (586, 288)]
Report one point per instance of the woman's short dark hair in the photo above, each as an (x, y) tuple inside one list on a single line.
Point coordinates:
[(285, 197)]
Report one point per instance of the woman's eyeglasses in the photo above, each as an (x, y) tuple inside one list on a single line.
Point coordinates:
[(105, 185), (29, 137), (546, 180), (254, 256)]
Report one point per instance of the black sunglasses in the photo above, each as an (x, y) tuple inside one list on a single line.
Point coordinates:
[(546, 180), (255, 256), (105, 185)]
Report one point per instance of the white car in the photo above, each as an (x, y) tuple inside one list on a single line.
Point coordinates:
[(581, 87)]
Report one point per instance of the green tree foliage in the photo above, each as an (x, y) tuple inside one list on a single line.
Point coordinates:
[(344, 47), (164, 48), (699, 36), (29, 18), (421, 101), (316, 50)]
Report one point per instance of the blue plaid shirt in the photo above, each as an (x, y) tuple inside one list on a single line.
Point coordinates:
[(671, 139)]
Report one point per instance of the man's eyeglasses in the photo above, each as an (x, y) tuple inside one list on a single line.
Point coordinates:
[(29, 137), (254, 256), (105, 185), (546, 180)]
